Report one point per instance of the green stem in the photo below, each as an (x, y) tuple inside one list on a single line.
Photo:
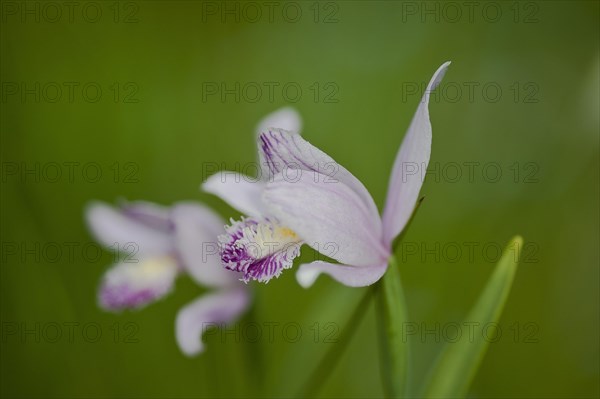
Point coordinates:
[(331, 358), (392, 315), (253, 357)]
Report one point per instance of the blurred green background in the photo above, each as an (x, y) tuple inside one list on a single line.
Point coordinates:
[(521, 94)]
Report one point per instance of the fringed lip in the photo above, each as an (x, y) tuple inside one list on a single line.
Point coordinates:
[(259, 249)]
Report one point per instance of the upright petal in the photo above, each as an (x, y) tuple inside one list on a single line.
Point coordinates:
[(134, 285), (239, 191), (196, 230), (328, 216), (352, 276), (287, 153), (115, 228), (286, 118), (150, 214), (210, 310), (410, 165)]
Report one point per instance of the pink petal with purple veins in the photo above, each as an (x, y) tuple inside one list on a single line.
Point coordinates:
[(328, 216), (284, 152), (115, 229)]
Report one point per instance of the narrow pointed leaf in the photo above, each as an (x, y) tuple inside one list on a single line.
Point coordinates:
[(458, 363), (392, 314)]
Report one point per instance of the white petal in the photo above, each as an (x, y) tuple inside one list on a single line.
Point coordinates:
[(410, 165), (196, 230), (329, 217), (134, 285), (148, 213), (210, 310), (290, 154), (116, 229), (351, 276), (239, 191), (286, 118)]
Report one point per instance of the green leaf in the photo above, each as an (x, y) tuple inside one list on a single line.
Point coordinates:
[(392, 312), (457, 364)]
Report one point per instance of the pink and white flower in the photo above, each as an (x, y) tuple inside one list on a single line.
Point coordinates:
[(317, 207), (163, 243)]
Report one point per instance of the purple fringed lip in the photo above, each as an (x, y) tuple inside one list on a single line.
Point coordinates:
[(235, 255), (271, 266), (260, 250)]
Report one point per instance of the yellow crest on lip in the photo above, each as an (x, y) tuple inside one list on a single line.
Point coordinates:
[(287, 233)]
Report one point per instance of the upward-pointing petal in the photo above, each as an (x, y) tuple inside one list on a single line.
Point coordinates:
[(150, 214), (286, 118), (409, 167), (115, 227)]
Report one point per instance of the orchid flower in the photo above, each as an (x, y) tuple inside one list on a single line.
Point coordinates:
[(164, 243), (305, 197)]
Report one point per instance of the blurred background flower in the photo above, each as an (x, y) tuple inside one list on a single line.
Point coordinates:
[(160, 243)]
